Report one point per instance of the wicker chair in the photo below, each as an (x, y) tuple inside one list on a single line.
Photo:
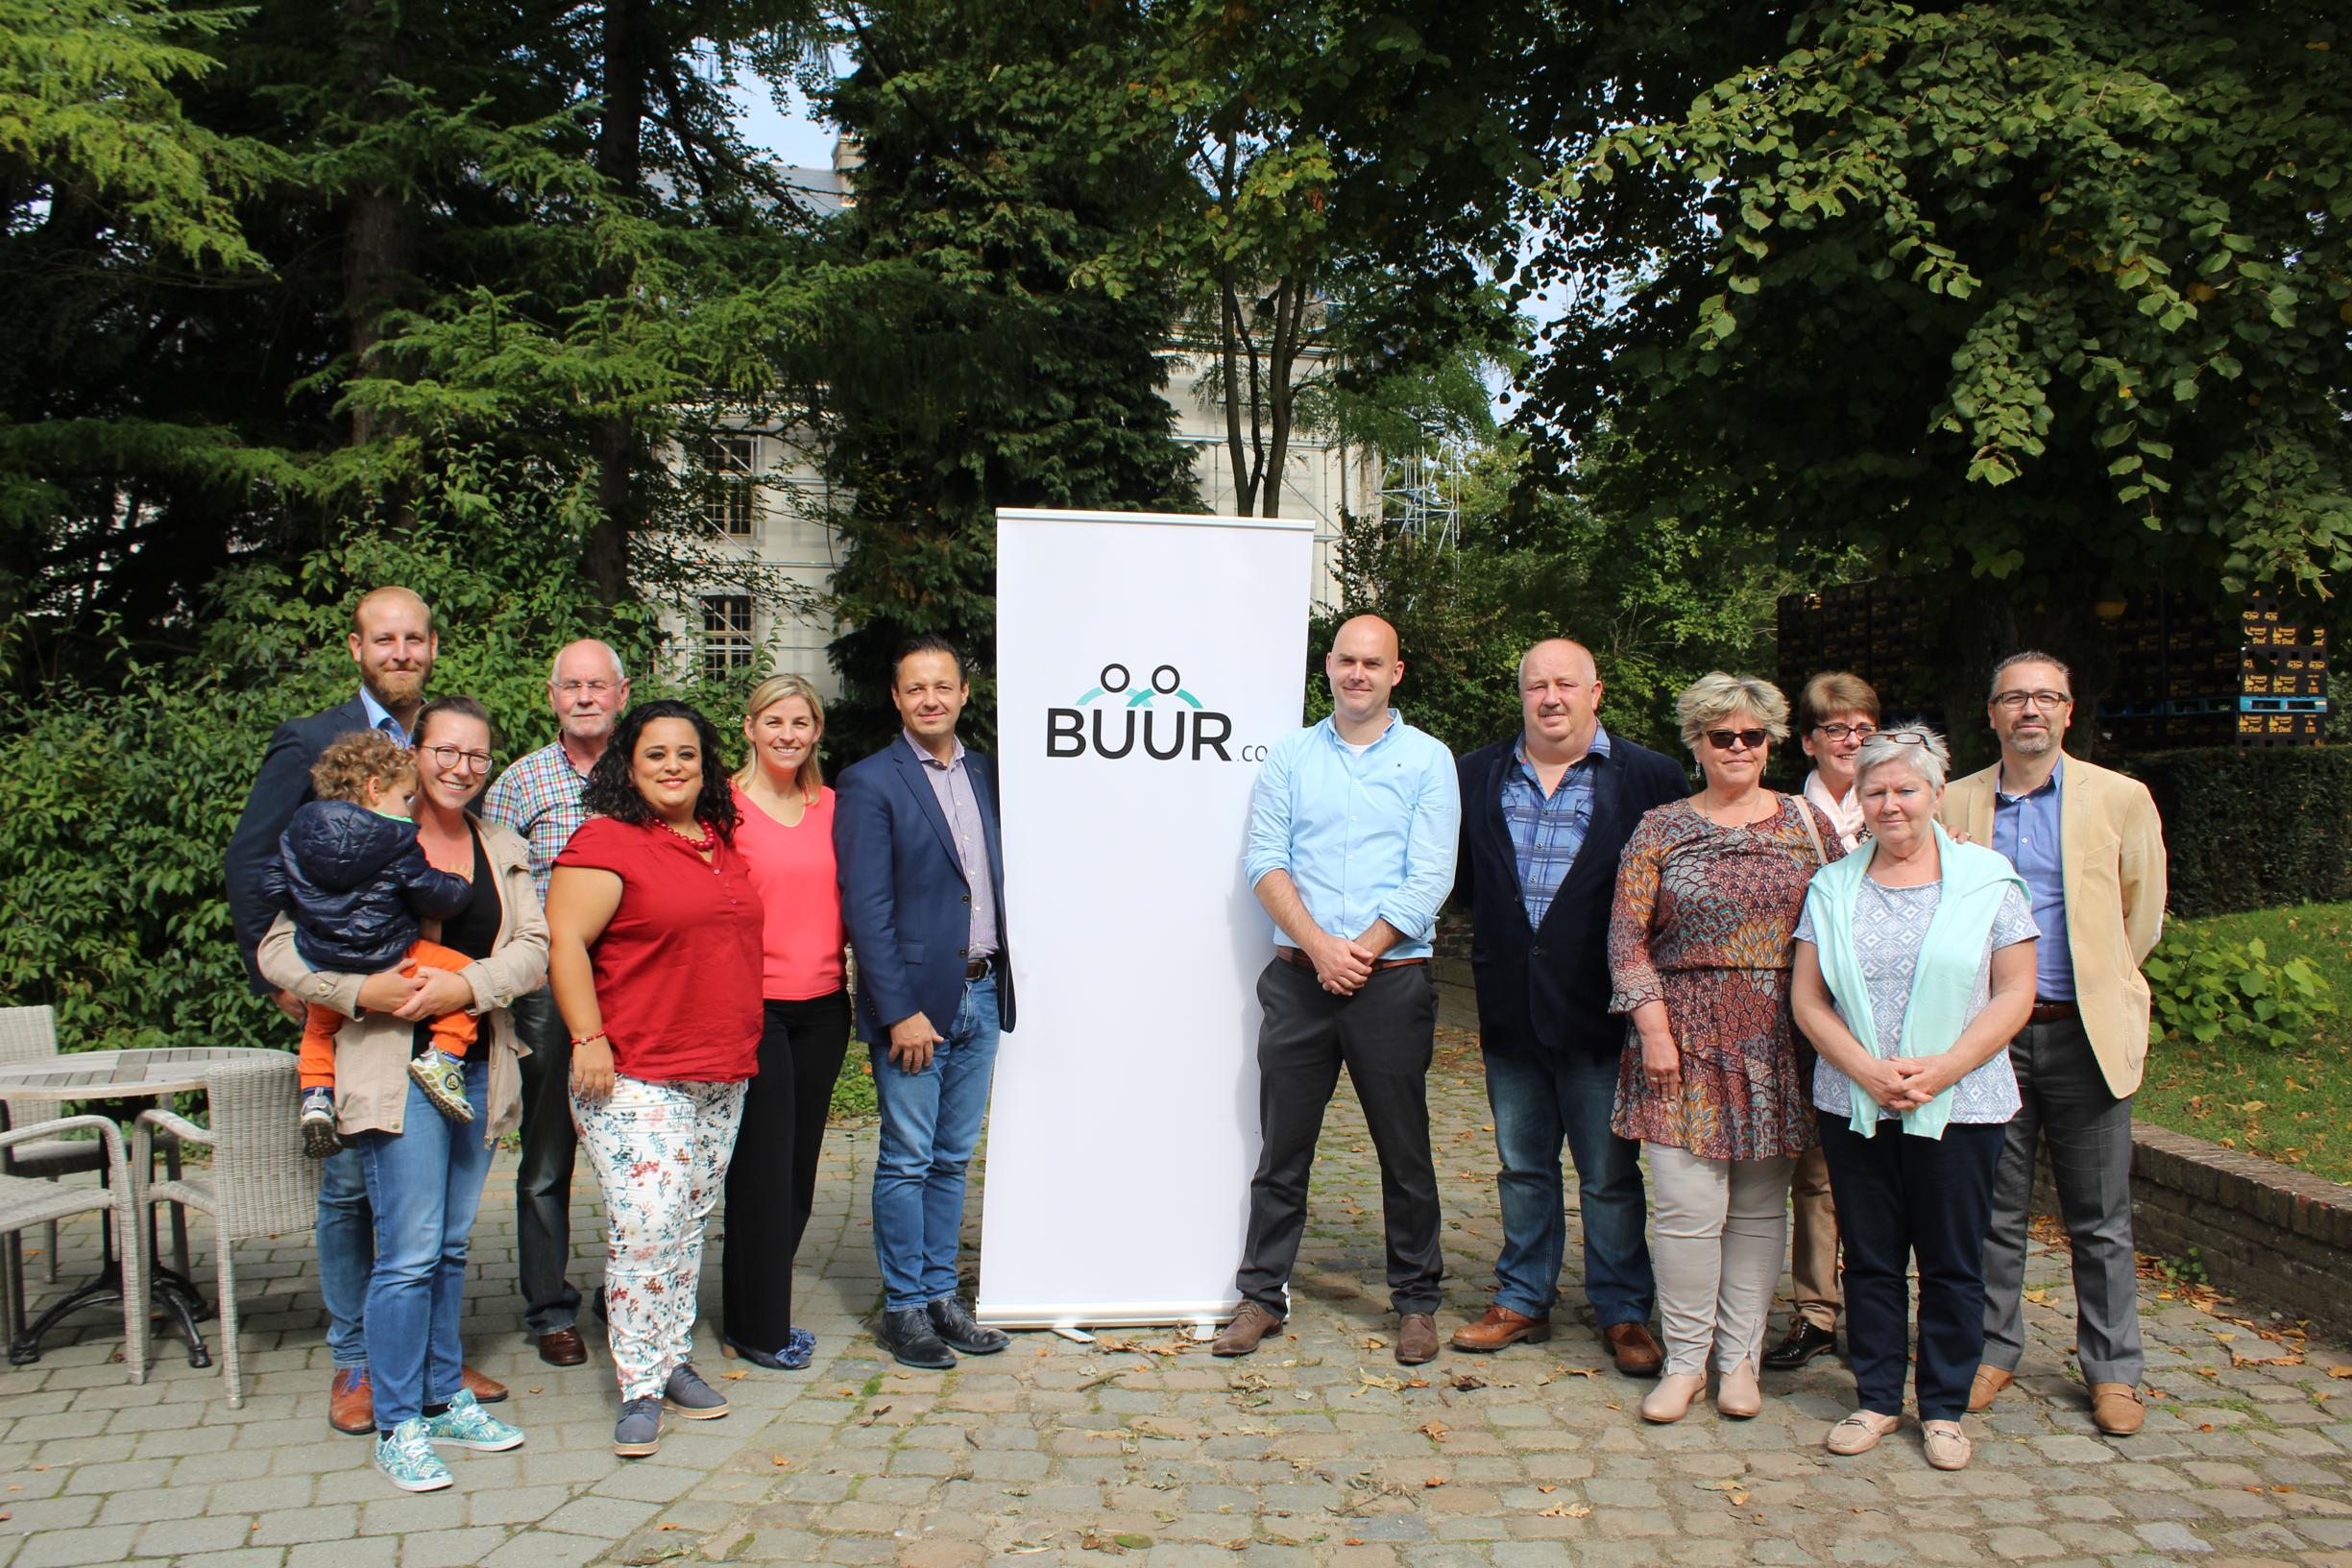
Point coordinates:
[(258, 1184), (29, 1201)]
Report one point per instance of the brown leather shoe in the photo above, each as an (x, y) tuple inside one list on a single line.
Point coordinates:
[(1636, 1354), (485, 1391), (1986, 1388), (351, 1403), (2116, 1409), (561, 1348), (1500, 1327), (1417, 1338), (1249, 1325)]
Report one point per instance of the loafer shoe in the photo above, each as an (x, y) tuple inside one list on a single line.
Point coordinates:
[(1417, 1338), (1500, 1327), (1249, 1325), (1986, 1387), (638, 1431), (963, 1331), (485, 1391), (562, 1347), (1859, 1432), (405, 1455), (1636, 1354), (2116, 1409), (907, 1335), (1948, 1446), (691, 1397), (351, 1403), (465, 1424), (1805, 1341)]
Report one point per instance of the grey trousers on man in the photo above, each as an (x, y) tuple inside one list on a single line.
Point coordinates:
[(2088, 1130), (542, 1176)]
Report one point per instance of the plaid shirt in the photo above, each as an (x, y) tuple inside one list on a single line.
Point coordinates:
[(1546, 832), (539, 797)]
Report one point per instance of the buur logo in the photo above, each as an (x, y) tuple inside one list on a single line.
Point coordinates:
[(1117, 712)]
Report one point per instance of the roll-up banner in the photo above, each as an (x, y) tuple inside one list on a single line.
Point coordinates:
[(1144, 665)]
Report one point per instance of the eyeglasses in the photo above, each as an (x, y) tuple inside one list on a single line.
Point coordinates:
[(2015, 702), (1735, 740), (1839, 731), (1905, 738), (450, 759), (573, 689)]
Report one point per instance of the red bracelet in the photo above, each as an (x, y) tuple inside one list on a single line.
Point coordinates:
[(586, 1038)]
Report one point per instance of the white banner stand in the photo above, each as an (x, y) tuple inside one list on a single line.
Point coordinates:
[(1144, 665)]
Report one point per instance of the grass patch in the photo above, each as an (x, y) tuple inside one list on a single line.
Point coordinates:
[(2291, 1104)]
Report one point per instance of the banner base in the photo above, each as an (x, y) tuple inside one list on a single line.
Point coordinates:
[(1126, 1314)]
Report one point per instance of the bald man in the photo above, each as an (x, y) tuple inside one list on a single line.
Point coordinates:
[(1544, 817), (1353, 831)]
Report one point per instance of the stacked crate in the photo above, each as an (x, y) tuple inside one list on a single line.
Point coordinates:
[(1877, 630), (2280, 678), (2190, 673)]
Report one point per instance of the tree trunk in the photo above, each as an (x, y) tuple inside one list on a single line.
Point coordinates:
[(379, 237), (620, 159)]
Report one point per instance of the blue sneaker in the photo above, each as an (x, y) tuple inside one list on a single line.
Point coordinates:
[(692, 1398), (465, 1424), (406, 1458), (638, 1431)]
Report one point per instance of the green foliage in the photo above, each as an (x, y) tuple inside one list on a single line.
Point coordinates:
[(2252, 829), (853, 1091), (2210, 989)]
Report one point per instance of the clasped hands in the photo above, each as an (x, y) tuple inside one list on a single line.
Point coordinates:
[(1341, 965), (427, 993), (1905, 1083)]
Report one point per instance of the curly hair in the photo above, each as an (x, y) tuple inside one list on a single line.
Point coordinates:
[(612, 784), (344, 769)]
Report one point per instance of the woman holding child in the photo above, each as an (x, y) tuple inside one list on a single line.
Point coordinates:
[(423, 1165)]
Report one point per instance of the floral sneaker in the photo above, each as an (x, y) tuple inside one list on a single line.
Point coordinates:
[(319, 1140), (442, 1078), (465, 1424), (799, 1349), (406, 1458)]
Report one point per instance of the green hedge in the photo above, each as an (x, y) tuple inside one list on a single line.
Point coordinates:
[(2253, 828)]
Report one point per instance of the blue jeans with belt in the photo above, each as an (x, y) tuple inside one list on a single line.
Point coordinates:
[(929, 1126), (1540, 1100)]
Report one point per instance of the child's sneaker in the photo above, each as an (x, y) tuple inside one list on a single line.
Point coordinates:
[(319, 1139), (442, 1078)]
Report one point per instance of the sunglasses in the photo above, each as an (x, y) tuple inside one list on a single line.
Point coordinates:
[(1729, 739)]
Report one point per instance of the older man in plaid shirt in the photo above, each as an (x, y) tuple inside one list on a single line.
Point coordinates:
[(539, 797)]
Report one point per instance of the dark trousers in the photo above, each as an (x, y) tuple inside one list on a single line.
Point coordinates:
[(771, 1187), (542, 1176), (1383, 1035), (1901, 1197)]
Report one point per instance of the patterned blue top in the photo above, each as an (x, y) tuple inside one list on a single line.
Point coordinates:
[(1547, 831), (1890, 925)]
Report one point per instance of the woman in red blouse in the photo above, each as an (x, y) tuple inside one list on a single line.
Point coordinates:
[(654, 955), (785, 834)]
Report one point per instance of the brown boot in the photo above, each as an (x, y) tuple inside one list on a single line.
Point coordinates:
[(1417, 1338), (1249, 1325), (1500, 1327), (1986, 1388), (1638, 1354), (2116, 1409)]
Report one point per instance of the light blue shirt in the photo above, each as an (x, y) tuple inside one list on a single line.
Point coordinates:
[(1364, 837), (2026, 830), (379, 717)]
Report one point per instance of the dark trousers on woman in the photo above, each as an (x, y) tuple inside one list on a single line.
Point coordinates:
[(771, 1187), (1901, 1197)]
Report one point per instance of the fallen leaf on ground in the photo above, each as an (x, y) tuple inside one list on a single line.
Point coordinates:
[(1373, 1341), (2339, 1371), (1579, 1371), (1434, 1431), (1466, 1382), (1434, 1483), (735, 1377), (1564, 1510), (779, 1460), (1735, 1492), (1374, 1380)]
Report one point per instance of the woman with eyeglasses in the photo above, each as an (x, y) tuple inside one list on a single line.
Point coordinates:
[(1708, 892), (1915, 966), (423, 1170)]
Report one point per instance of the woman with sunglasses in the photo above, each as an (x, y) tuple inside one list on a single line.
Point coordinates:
[(1708, 893)]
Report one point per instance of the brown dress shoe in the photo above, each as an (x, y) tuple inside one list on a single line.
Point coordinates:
[(561, 1348), (1986, 1388), (1500, 1327), (485, 1391), (2116, 1409), (1417, 1338), (351, 1403), (1636, 1354), (1249, 1325)]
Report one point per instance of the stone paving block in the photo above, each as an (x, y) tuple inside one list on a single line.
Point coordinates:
[(67, 1547)]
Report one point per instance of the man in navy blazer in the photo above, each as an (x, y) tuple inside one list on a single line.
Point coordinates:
[(921, 853), (1544, 817)]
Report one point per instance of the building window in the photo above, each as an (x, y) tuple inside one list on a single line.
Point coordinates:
[(726, 635), (730, 461)]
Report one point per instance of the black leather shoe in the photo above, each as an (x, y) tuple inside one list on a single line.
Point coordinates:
[(1804, 1342), (908, 1336), (965, 1332)]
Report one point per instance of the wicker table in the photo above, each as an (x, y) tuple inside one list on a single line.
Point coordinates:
[(142, 1076)]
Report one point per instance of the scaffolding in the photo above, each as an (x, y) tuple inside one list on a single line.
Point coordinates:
[(1421, 490)]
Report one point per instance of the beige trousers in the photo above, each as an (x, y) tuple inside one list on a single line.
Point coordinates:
[(1720, 1229), (1813, 1262)]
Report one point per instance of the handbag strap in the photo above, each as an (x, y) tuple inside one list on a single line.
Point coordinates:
[(1805, 814)]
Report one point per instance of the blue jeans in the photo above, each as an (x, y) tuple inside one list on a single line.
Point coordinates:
[(425, 1183), (347, 1251), (930, 1125), (1539, 1099)]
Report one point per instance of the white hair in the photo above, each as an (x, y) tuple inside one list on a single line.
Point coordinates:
[(1915, 746), (620, 673)]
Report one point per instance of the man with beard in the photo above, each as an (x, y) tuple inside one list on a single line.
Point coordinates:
[(2090, 847), (393, 642), (539, 797)]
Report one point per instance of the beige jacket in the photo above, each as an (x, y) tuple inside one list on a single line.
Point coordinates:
[(371, 1055), (2111, 857)]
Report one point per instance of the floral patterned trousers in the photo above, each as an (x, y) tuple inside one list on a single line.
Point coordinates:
[(659, 1152)]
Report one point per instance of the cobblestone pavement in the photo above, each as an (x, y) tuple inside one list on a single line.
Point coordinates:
[(1319, 1450)]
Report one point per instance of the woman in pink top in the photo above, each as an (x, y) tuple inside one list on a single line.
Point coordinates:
[(786, 836)]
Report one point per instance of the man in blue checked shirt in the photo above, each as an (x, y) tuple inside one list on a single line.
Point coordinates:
[(1353, 831)]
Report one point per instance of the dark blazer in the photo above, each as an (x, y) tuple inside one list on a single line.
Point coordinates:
[(1547, 989), (279, 790), (903, 899)]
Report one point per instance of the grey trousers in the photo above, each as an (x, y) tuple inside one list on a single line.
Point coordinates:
[(1721, 1225), (2088, 1130)]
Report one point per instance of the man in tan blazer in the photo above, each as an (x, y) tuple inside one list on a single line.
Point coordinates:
[(2088, 845)]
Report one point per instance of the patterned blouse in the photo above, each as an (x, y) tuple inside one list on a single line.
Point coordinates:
[(1703, 921)]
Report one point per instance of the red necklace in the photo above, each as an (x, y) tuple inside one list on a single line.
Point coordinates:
[(704, 845)]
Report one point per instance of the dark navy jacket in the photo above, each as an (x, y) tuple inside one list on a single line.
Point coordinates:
[(1547, 989), (903, 899), (357, 885), (282, 785)]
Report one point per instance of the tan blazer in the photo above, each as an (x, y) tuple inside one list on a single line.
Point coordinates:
[(372, 1054), (2111, 854)]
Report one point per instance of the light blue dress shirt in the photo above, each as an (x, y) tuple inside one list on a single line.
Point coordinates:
[(1364, 838), (2026, 830), (379, 717)]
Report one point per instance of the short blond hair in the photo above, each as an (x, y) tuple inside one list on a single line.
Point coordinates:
[(810, 777), (1716, 696)]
